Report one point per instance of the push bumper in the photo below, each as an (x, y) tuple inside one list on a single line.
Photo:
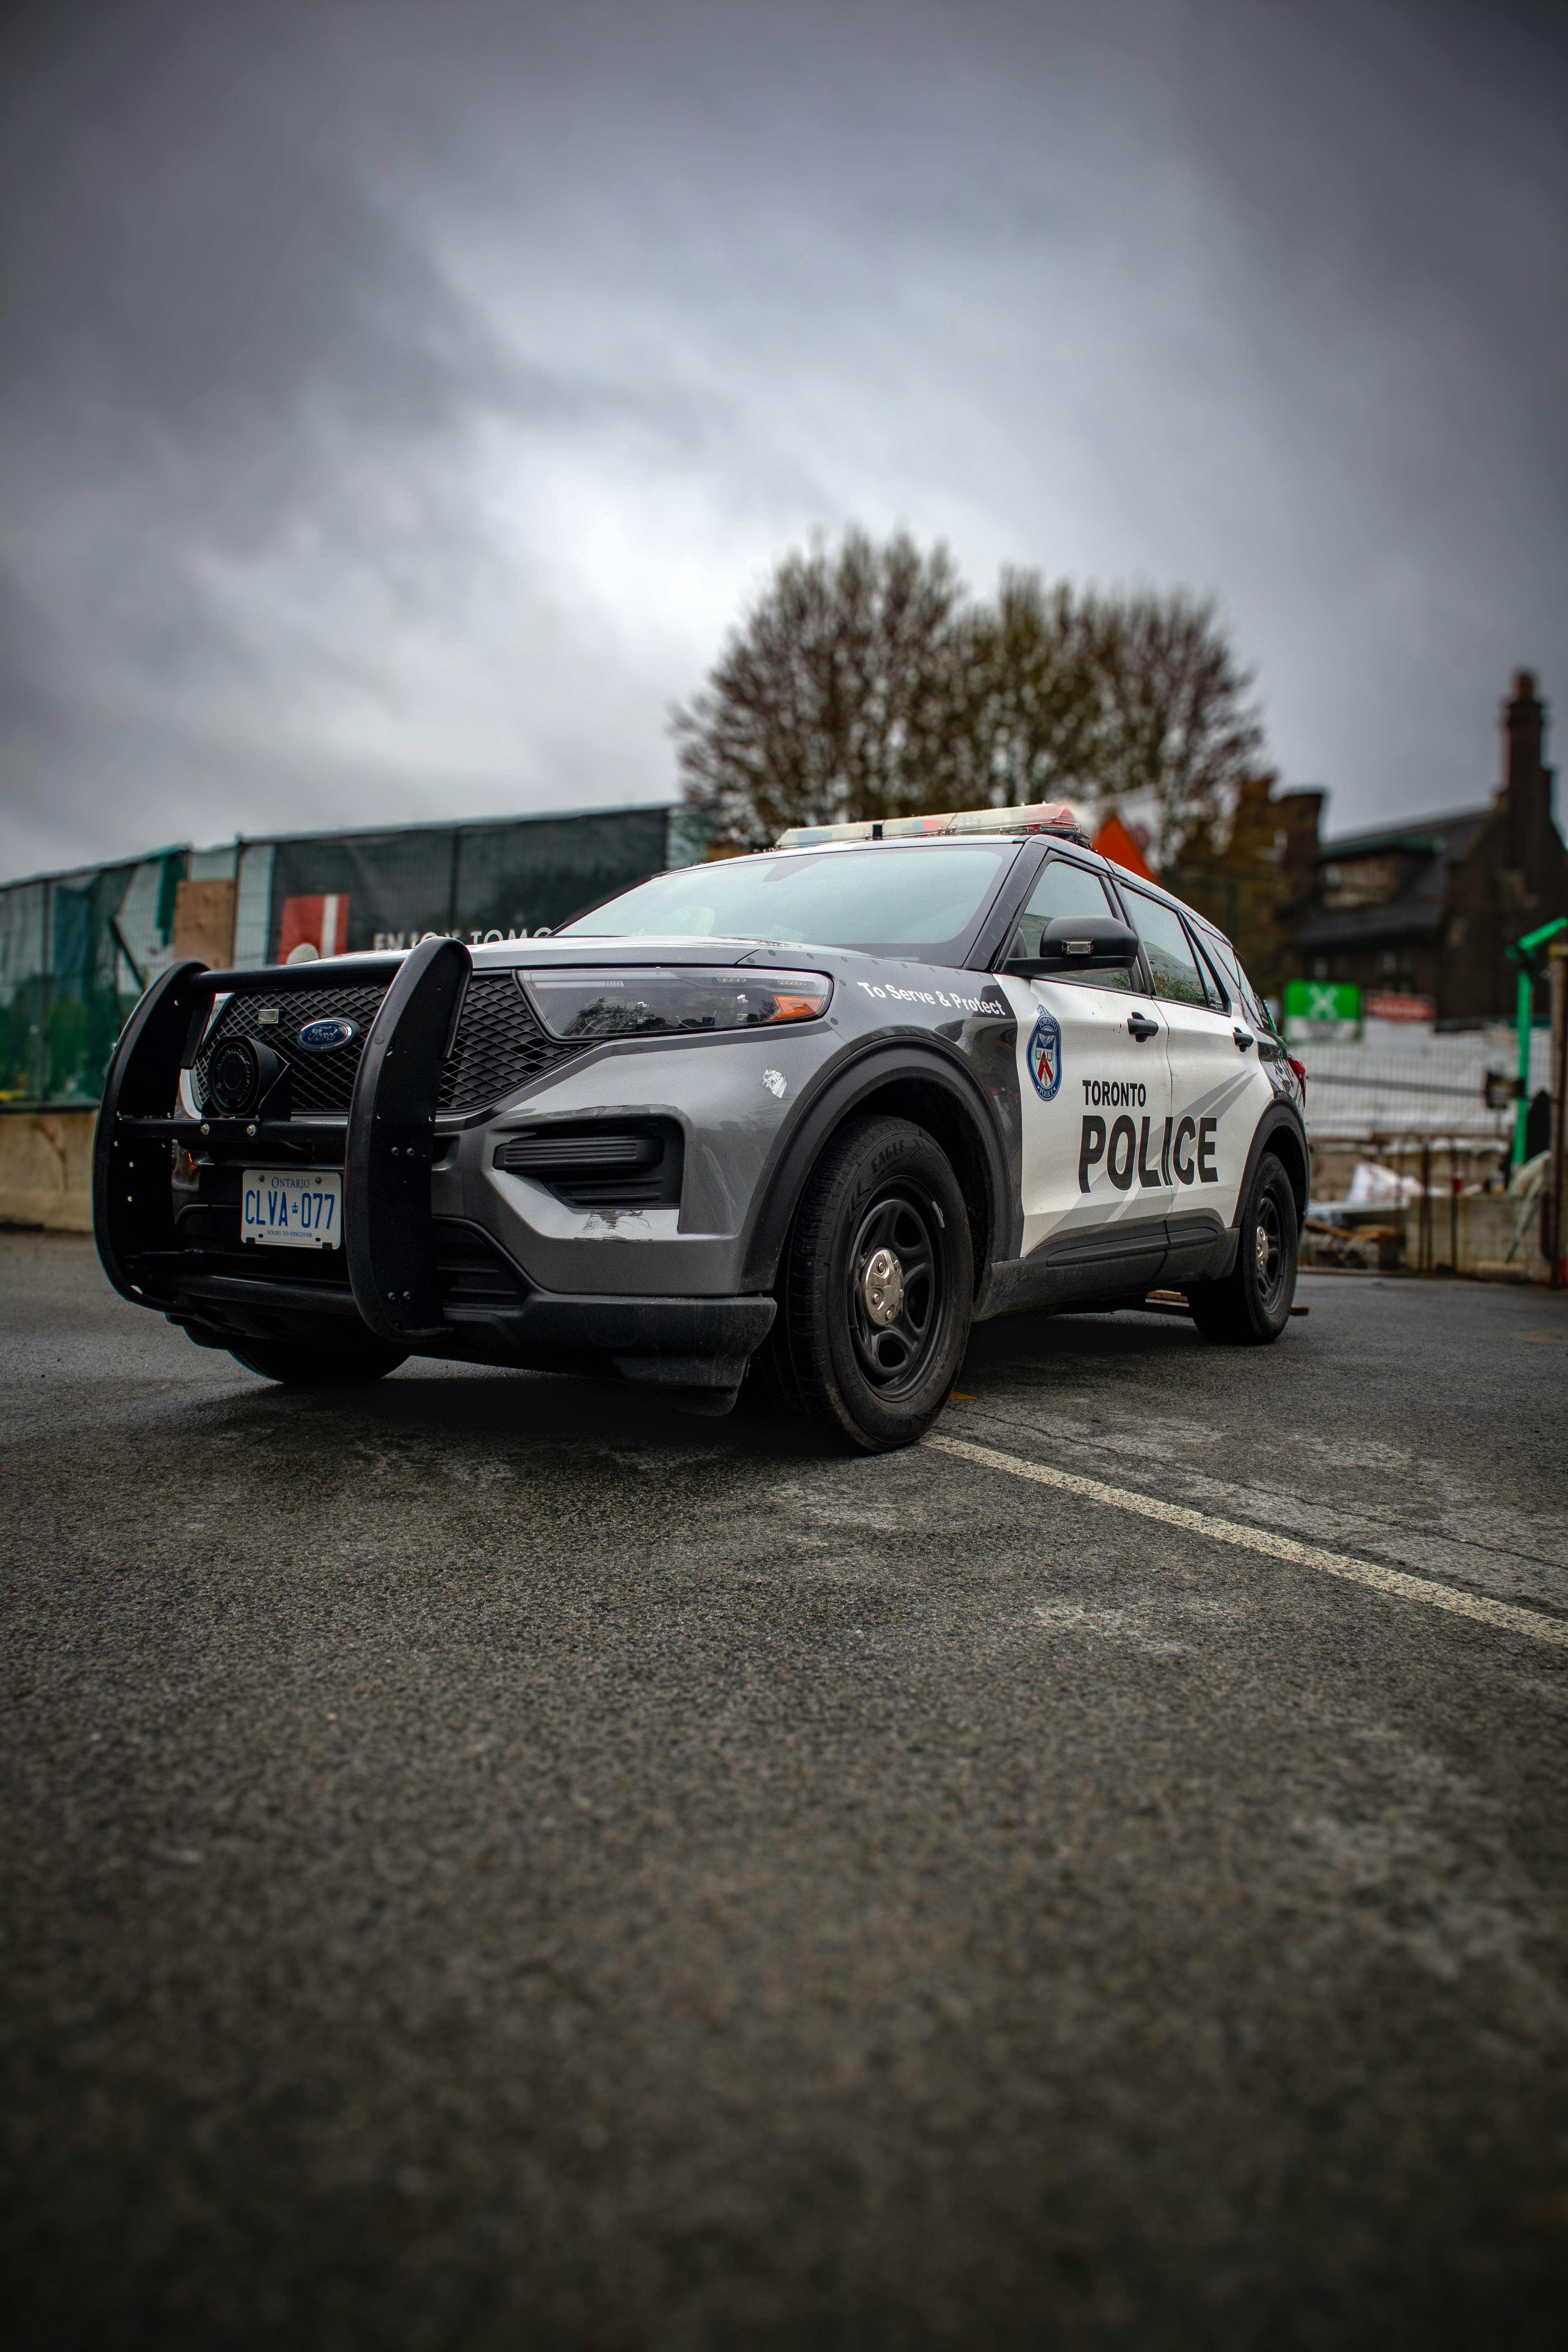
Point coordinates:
[(429, 1285)]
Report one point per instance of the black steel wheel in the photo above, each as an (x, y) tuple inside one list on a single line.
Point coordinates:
[(894, 1290), (300, 1365), (878, 1288), (1252, 1304)]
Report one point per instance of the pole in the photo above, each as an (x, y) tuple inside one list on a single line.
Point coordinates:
[(1524, 952), (1524, 1010), (1453, 1206), (1557, 1191)]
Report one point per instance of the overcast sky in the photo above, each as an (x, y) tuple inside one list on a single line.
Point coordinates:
[(399, 404)]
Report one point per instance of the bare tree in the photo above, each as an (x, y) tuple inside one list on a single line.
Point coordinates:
[(841, 695), (1036, 698), (1174, 717), (865, 684)]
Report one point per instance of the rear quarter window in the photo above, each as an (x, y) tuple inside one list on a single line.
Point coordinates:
[(1238, 987)]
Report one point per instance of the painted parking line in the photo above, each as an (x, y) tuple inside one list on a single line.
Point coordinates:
[(1392, 1581)]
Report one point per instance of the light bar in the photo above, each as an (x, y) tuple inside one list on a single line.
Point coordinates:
[(1045, 816)]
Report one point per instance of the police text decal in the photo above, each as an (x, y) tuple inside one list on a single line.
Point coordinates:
[(1186, 1151)]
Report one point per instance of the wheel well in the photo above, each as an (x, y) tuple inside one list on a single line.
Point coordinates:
[(1286, 1147), (943, 1119)]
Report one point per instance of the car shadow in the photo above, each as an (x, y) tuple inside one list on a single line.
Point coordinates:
[(1013, 1342), (473, 1405), (479, 1406)]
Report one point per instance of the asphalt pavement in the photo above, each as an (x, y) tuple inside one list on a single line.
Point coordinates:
[(489, 1863)]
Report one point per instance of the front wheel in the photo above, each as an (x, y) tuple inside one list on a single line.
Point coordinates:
[(300, 1365), (1251, 1306), (879, 1287)]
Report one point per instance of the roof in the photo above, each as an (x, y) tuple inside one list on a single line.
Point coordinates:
[(1408, 917), (1433, 844), (1438, 837), (243, 841)]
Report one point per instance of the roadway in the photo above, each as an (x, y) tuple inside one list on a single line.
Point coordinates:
[(490, 1862)]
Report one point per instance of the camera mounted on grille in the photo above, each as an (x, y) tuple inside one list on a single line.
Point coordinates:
[(247, 1080)]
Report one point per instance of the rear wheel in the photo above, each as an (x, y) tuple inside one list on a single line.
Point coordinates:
[(878, 1289), (300, 1365), (1252, 1304)]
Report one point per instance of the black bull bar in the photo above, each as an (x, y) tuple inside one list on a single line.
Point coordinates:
[(391, 1238)]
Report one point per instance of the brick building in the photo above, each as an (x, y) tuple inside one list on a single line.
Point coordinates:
[(1424, 908), (1430, 906)]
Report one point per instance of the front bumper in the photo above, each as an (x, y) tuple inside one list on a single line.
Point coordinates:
[(438, 1285), (697, 1344)]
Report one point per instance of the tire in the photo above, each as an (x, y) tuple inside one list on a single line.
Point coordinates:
[(300, 1365), (875, 1378), (1251, 1306)]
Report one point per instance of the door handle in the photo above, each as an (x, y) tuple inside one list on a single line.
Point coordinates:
[(1138, 1025), (1244, 1038)]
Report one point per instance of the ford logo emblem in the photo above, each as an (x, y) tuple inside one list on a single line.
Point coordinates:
[(325, 1037)]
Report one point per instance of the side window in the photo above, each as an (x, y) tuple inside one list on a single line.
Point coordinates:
[(1168, 949), (1064, 888), (1244, 996), (1215, 989)]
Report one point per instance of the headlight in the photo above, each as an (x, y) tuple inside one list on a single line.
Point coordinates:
[(669, 1001)]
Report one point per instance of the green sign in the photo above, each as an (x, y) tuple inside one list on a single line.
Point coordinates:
[(1321, 1001)]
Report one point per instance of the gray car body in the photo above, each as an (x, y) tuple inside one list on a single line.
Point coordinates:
[(939, 1042), (741, 1099)]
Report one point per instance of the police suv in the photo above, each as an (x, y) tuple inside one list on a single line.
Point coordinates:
[(812, 1112)]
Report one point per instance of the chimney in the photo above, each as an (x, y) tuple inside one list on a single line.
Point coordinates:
[(1527, 783)]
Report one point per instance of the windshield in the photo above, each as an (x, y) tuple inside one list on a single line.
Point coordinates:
[(921, 903)]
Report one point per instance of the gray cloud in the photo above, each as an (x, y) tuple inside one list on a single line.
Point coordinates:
[(399, 403)]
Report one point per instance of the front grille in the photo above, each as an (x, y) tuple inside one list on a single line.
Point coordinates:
[(499, 1045), (318, 1082)]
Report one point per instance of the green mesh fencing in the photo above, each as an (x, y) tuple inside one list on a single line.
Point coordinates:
[(77, 950)]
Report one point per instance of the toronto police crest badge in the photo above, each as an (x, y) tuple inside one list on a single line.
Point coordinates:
[(1045, 1056)]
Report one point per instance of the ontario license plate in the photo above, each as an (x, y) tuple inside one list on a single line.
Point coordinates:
[(301, 1210)]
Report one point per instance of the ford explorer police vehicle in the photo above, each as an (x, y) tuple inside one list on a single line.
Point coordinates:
[(812, 1112)]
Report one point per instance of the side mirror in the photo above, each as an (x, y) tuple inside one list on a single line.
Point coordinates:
[(1071, 943)]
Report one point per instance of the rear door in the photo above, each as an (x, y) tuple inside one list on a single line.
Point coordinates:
[(1094, 1082), (1219, 1091)]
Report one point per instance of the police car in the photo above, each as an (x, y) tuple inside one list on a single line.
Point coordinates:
[(809, 1113)]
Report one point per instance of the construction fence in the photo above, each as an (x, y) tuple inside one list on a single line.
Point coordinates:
[(1397, 1091), (1420, 1157), (77, 950)]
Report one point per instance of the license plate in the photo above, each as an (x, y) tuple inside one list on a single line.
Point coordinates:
[(300, 1210)]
